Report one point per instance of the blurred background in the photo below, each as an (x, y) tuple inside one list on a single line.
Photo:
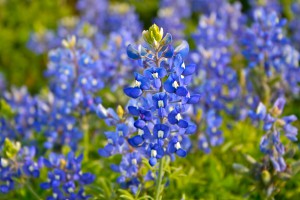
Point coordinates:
[(20, 18), (19, 65)]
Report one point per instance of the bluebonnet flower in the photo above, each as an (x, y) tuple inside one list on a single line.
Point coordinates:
[(129, 168), (27, 118), (74, 74), (213, 135), (154, 122), (65, 178), (269, 52), (215, 79), (294, 25), (16, 162), (274, 126)]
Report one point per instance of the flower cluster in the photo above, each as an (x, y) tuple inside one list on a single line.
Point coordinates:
[(74, 73), (274, 125), (65, 178), (156, 125), (16, 162), (294, 25), (269, 51), (216, 81), (27, 118)]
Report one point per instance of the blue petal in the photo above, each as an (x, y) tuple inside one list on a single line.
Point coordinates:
[(166, 40), (181, 153), (160, 152), (103, 153), (145, 115), (162, 72), (147, 134), (168, 85), (171, 148), (157, 83), (133, 110), (139, 123), (170, 51), (182, 49), (45, 185), (181, 91), (290, 119), (47, 163), (136, 141), (132, 52), (189, 69), (194, 99), (191, 129), (183, 124), (115, 167), (152, 161), (171, 117), (133, 92)]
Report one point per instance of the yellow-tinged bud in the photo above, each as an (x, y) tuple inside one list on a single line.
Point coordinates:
[(70, 42), (120, 111), (280, 122), (153, 36), (62, 163), (199, 115), (266, 177), (10, 148)]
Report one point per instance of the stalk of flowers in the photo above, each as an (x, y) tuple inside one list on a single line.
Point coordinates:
[(60, 126), (274, 125), (271, 173), (272, 60), (155, 123), (65, 178), (26, 119), (74, 73), (215, 80), (170, 16), (294, 25), (17, 164)]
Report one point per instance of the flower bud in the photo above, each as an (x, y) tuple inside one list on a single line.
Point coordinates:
[(120, 111), (266, 177), (11, 149), (153, 36), (240, 168)]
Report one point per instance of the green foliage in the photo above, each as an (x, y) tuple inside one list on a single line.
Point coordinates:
[(18, 18), (10, 149), (5, 110)]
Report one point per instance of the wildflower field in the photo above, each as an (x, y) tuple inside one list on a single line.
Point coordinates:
[(149, 100)]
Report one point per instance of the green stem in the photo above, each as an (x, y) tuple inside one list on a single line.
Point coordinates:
[(33, 192), (159, 186), (86, 137)]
